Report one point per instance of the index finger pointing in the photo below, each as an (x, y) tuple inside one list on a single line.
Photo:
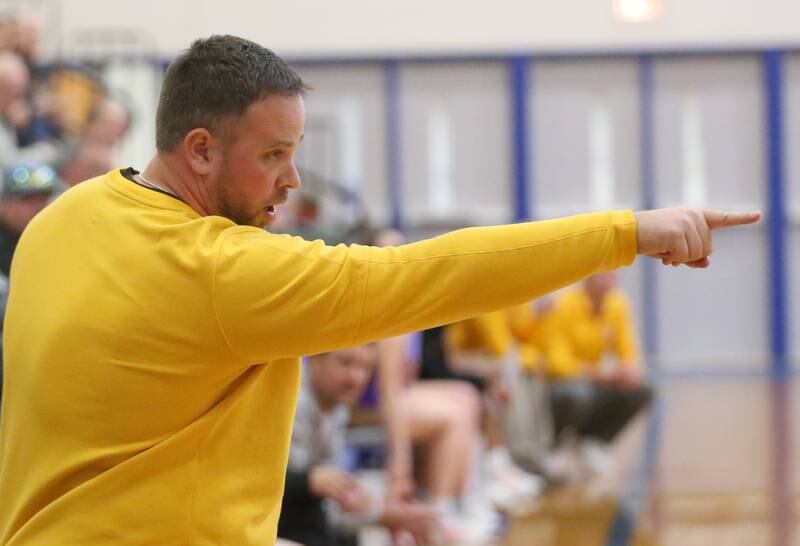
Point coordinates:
[(720, 219)]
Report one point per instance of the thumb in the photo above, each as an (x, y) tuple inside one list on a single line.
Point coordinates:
[(721, 219)]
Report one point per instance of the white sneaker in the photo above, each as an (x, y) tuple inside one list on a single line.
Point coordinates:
[(595, 458), (473, 525), (479, 521), (509, 486), (560, 466)]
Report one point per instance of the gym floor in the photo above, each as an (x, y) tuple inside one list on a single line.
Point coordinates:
[(714, 464)]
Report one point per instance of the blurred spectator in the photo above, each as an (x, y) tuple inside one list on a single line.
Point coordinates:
[(14, 84), (26, 190), (593, 361), (89, 160), (20, 34), (528, 420), (320, 497), (63, 102), (26, 29), (107, 123), (434, 424), (307, 218), (483, 346)]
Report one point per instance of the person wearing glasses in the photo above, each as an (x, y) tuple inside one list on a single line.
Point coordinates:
[(26, 190)]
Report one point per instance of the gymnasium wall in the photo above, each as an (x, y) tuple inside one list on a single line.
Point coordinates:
[(323, 28), (455, 166)]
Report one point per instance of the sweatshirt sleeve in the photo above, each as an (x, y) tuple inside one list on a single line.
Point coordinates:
[(280, 296)]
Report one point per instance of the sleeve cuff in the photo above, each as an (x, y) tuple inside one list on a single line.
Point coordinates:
[(624, 222)]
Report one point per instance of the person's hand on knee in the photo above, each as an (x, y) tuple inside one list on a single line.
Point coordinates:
[(330, 482), (629, 377)]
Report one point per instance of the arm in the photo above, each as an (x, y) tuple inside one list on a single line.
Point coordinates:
[(391, 371), (271, 291)]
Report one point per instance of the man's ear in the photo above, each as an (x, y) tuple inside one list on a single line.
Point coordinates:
[(199, 148)]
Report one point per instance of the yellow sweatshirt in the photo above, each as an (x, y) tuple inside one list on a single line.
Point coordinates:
[(489, 334), (527, 328), (573, 336), (151, 354)]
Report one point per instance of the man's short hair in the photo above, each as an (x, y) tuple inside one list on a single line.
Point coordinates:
[(216, 79)]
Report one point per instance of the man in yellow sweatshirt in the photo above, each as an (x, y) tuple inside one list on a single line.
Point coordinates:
[(594, 365), (150, 392)]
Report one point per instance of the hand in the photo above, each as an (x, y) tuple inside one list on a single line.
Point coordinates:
[(401, 487), (402, 518), (683, 235), (403, 538), (629, 377), (19, 113), (332, 483), (598, 375), (499, 392), (356, 501)]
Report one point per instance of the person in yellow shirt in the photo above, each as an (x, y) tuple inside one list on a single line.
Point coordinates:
[(528, 323), (149, 394), (594, 365), (529, 419), (484, 346), (486, 337)]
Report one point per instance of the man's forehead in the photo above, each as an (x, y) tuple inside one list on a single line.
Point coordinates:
[(276, 120), (288, 107)]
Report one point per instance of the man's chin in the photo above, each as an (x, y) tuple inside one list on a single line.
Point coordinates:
[(263, 221)]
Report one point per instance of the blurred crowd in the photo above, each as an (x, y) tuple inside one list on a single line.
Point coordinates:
[(59, 125)]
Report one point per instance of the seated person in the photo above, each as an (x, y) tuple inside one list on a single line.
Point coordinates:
[(484, 346), (319, 497), (593, 364), (430, 426), (527, 419)]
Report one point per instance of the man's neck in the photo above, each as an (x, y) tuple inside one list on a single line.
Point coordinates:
[(167, 173)]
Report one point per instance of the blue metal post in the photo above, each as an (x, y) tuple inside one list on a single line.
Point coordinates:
[(522, 150), (648, 201), (394, 152), (773, 82)]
